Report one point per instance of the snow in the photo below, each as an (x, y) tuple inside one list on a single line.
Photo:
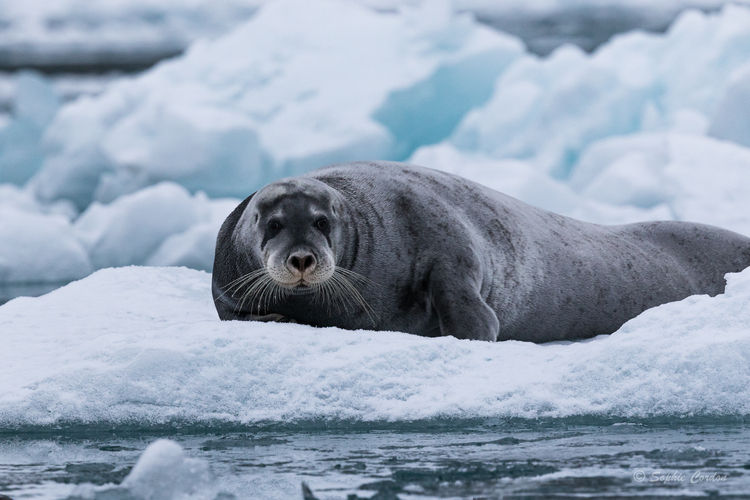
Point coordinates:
[(143, 346), (277, 96)]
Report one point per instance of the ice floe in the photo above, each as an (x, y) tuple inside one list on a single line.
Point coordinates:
[(144, 346)]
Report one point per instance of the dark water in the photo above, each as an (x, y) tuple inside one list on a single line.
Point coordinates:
[(488, 460), (587, 27), (13, 290)]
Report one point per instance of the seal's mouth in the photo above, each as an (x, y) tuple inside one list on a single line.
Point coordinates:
[(300, 286)]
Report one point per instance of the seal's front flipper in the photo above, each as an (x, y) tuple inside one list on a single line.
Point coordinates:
[(463, 313), (266, 318)]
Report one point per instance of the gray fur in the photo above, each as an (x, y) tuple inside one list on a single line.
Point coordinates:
[(434, 254)]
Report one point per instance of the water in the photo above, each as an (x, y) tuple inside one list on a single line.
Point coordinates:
[(520, 459)]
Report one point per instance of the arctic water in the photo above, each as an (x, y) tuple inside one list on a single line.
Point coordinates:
[(460, 459)]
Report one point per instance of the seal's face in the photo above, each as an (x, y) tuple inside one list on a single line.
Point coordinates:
[(292, 227)]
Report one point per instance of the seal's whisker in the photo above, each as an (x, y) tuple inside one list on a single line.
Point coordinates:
[(244, 278), (264, 292), (352, 276), (356, 296), (338, 297), (235, 285), (255, 290)]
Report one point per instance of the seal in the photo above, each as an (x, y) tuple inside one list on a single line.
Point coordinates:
[(390, 246)]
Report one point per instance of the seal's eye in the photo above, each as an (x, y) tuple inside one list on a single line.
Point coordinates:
[(322, 224), (274, 226)]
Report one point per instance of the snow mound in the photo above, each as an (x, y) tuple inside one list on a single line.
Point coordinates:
[(35, 103), (159, 225), (549, 110), (144, 346), (162, 472), (521, 180), (698, 179), (303, 84)]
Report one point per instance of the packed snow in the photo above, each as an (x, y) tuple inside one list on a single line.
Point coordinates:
[(144, 346)]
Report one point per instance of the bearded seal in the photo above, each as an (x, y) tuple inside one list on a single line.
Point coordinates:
[(390, 246)]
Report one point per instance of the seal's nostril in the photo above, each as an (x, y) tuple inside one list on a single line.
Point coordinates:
[(309, 261), (302, 262)]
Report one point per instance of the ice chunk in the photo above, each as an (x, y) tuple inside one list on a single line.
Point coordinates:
[(161, 225), (521, 180), (548, 110), (305, 83), (195, 247), (37, 248), (35, 105), (131, 228), (162, 472), (144, 346), (700, 179), (731, 120)]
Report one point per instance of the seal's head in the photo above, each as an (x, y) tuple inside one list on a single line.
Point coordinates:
[(292, 228)]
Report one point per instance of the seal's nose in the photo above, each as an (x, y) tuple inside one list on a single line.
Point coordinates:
[(301, 261)]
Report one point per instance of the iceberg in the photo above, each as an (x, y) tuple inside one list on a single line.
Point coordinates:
[(140, 346), (301, 85), (37, 244), (162, 472)]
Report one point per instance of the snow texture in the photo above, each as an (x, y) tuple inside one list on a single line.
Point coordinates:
[(144, 346), (278, 96)]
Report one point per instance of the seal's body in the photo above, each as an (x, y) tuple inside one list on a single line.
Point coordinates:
[(388, 246)]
